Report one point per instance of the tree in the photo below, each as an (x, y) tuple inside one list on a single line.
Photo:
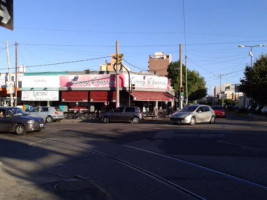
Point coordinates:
[(254, 83), (196, 84)]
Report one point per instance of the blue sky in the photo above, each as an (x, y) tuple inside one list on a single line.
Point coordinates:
[(58, 31)]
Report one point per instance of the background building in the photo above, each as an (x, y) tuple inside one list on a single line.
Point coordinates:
[(227, 91), (158, 64)]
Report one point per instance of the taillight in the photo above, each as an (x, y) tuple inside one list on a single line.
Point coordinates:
[(56, 113)]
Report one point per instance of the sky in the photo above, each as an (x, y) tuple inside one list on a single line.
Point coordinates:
[(60, 35)]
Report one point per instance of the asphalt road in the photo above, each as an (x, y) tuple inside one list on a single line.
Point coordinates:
[(153, 160)]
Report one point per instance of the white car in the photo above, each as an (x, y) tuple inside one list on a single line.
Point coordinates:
[(49, 114), (194, 114)]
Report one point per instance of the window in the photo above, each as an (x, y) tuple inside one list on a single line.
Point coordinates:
[(44, 109), (2, 113), (206, 109), (120, 109), (200, 109), (129, 109)]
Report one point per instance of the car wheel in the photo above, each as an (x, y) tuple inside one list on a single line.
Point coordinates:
[(20, 129), (106, 120), (193, 121), (212, 120), (136, 120), (49, 119)]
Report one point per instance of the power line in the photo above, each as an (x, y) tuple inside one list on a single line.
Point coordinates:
[(65, 45), (223, 43), (202, 67), (136, 32), (142, 45), (134, 65), (66, 62)]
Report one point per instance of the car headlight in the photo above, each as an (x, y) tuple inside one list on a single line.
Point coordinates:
[(187, 117), (31, 122)]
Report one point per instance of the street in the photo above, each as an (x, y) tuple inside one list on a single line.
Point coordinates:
[(153, 160)]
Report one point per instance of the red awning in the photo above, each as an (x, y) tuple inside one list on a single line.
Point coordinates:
[(102, 96), (151, 96), (74, 96)]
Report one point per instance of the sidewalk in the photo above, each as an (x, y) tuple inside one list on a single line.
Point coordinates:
[(257, 116), (252, 116)]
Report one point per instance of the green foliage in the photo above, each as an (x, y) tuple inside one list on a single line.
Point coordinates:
[(229, 102), (173, 75), (196, 84), (254, 83)]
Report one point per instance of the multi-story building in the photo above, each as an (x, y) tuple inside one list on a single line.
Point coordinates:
[(158, 64), (227, 91)]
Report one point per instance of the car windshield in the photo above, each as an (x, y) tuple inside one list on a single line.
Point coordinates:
[(17, 111), (31, 109), (189, 108)]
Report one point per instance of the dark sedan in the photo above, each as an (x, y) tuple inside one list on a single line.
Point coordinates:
[(133, 114), (13, 119)]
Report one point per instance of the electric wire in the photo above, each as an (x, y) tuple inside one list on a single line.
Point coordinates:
[(133, 65), (138, 32), (144, 45), (61, 63)]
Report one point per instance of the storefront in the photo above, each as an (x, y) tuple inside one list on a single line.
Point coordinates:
[(40, 90), (152, 92), (93, 91), (96, 91)]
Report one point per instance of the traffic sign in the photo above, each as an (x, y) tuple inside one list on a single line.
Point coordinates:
[(6, 14)]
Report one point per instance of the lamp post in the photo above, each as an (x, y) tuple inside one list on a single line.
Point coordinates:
[(250, 52), (251, 55)]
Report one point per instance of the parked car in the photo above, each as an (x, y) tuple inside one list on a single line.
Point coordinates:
[(13, 119), (264, 109), (194, 114), (132, 113), (49, 114), (219, 111), (258, 109)]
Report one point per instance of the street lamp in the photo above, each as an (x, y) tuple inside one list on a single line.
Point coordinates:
[(250, 52), (251, 55)]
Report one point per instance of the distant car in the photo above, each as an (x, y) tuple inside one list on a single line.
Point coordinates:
[(13, 119), (127, 113), (49, 114), (219, 111), (194, 114)]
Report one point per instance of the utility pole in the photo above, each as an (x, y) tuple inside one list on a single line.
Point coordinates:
[(181, 78), (9, 85), (117, 76), (186, 86), (220, 76), (16, 73)]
